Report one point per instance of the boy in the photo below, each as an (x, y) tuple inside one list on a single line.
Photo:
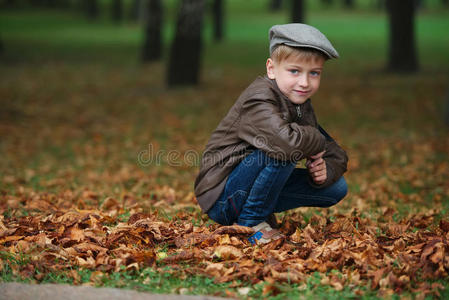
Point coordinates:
[(247, 171)]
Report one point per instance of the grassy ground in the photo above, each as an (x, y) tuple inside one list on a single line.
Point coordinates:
[(78, 110)]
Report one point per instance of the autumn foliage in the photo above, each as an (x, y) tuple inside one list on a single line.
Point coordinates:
[(382, 253)]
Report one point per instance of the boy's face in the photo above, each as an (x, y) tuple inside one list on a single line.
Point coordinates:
[(297, 79)]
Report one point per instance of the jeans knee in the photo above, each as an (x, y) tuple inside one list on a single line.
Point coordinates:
[(341, 189)]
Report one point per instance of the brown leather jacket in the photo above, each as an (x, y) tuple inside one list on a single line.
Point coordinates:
[(263, 118)]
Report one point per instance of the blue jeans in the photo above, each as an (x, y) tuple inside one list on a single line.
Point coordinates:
[(260, 185)]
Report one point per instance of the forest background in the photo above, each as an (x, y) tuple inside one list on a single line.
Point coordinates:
[(99, 151)]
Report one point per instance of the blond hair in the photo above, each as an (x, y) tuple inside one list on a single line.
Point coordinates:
[(283, 52)]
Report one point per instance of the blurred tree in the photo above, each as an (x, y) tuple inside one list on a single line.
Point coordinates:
[(445, 3), (402, 49), (349, 4), (218, 17), (380, 4), (298, 11), (135, 10), (117, 10), (37, 2), (327, 3), (10, 3), (91, 7), (152, 46), (275, 5), (419, 4), (185, 54), (51, 3)]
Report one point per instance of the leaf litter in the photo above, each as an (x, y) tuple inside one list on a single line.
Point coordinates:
[(390, 260)]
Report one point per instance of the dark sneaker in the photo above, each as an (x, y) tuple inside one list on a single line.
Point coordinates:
[(272, 221)]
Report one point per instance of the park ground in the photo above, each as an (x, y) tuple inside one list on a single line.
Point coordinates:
[(98, 159)]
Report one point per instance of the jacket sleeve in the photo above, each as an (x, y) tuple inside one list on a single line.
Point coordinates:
[(265, 127), (336, 160)]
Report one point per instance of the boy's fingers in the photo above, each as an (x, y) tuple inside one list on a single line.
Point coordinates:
[(308, 162), (316, 169), (319, 173), (320, 179), (319, 163), (318, 155)]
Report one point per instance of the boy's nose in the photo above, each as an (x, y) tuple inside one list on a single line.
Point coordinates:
[(303, 80)]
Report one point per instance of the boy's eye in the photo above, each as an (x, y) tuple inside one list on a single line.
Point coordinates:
[(293, 71), (315, 73)]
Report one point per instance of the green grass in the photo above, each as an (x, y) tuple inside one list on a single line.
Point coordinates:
[(150, 280)]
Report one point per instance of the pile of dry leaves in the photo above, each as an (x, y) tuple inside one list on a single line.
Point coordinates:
[(383, 254)]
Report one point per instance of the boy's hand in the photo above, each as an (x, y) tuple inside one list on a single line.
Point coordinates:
[(317, 168)]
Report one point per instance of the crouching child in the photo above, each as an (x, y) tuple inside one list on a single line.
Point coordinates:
[(248, 169)]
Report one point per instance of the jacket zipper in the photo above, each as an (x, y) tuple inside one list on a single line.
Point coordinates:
[(298, 111)]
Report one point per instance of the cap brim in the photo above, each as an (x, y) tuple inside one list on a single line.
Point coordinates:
[(313, 47)]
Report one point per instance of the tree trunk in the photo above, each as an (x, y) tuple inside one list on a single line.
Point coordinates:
[(91, 7), (37, 2), (419, 4), (275, 5), (327, 3), (185, 55), (402, 50), (8, 3), (51, 3), (117, 10), (152, 46), (349, 4), (218, 16), (135, 10), (380, 4), (298, 11)]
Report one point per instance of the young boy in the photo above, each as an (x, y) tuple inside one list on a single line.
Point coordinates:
[(247, 171)]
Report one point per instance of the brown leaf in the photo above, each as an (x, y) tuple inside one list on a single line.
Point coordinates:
[(376, 277), (69, 218), (296, 237), (183, 256), (444, 225), (227, 252), (76, 234), (84, 247), (215, 269), (438, 255), (234, 229), (270, 290), (190, 240), (136, 217), (109, 204)]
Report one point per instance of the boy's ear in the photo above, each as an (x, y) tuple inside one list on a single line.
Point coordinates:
[(270, 69)]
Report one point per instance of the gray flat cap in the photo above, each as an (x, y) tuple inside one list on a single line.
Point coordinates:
[(300, 35)]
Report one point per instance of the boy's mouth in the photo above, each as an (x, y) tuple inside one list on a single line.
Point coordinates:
[(301, 92)]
